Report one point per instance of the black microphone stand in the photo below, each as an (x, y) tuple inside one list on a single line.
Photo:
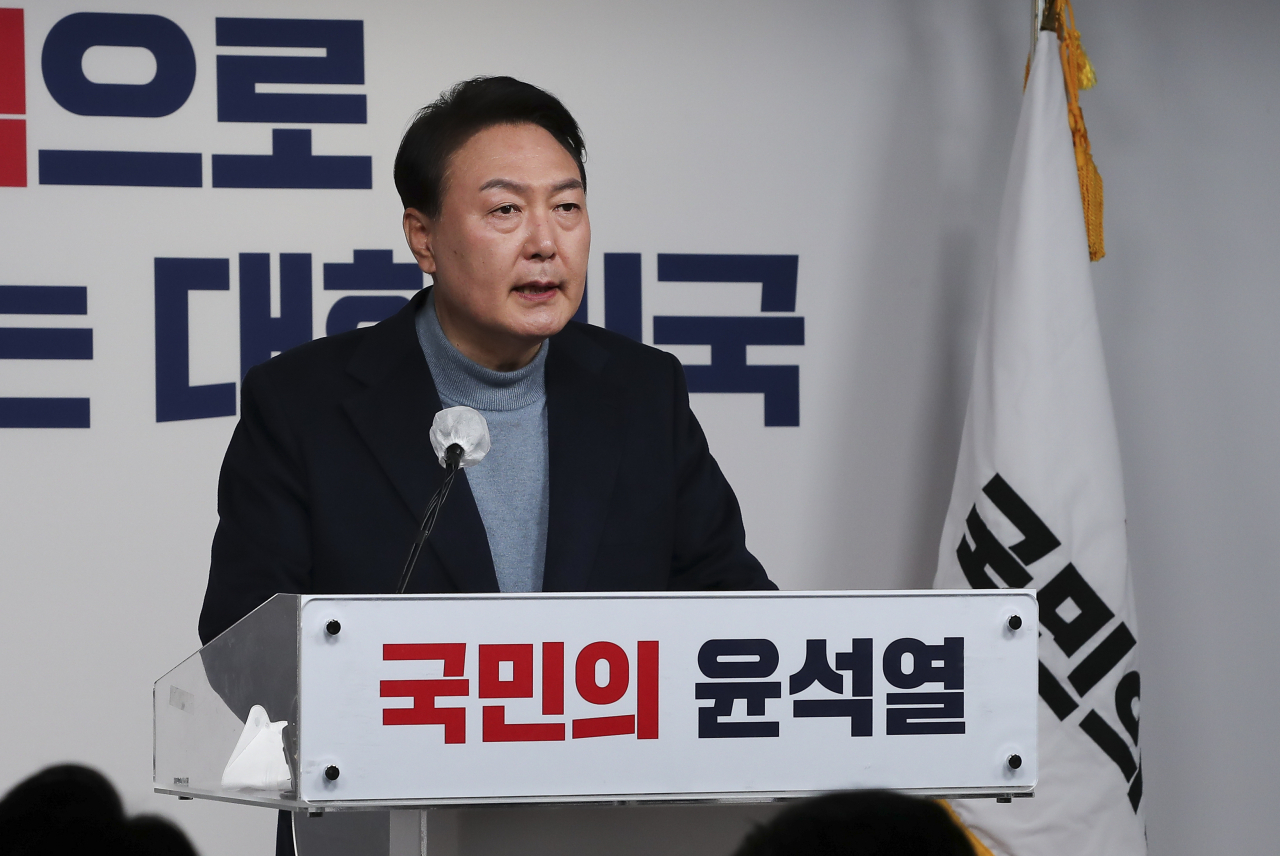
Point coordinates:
[(452, 457)]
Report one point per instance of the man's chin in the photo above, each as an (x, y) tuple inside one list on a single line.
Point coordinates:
[(537, 329), (542, 319)]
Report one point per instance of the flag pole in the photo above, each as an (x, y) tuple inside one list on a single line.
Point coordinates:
[(1048, 15)]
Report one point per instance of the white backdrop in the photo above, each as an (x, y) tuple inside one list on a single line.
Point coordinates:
[(869, 139)]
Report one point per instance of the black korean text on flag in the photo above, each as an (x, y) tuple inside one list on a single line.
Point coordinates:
[(1073, 614)]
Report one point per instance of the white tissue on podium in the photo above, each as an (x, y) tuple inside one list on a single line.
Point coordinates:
[(258, 760), (464, 426)]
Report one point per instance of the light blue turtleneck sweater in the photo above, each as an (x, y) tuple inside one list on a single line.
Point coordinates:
[(512, 484)]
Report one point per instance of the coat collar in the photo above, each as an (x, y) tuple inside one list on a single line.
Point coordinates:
[(586, 425), (393, 415)]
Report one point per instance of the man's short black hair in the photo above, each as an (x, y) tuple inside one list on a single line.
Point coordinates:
[(445, 125), (859, 823)]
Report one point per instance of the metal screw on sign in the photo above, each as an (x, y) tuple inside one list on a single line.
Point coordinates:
[(331, 772), (1015, 622), (1014, 761), (333, 628)]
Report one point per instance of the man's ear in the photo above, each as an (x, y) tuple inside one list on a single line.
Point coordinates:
[(419, 232)]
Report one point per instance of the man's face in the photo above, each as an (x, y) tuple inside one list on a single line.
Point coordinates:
[(508, 252)]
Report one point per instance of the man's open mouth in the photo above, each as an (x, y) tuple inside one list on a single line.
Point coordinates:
[(536, 289)]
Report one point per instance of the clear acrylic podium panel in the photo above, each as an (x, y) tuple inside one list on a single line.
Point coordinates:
[(200, 706)]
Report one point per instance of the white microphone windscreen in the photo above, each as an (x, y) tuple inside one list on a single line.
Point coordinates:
[(465, 426)]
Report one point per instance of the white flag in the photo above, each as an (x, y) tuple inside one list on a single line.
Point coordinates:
[(1038, 501)]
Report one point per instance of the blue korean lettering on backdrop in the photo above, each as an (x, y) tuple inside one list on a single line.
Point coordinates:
[(61, 65), (729, 336), (369, 269), (71, 38), (290, 163), (45, 343), (176, 398), (262, 335)]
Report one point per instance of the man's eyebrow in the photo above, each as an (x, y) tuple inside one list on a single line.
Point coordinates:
[(504, 184), (517, 187)]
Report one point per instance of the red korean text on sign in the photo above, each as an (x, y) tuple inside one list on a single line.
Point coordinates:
[(425, 693), (496, 727), (644, 723), (507, 671)]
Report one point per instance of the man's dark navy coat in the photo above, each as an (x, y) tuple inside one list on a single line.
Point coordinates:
[(330, 469)]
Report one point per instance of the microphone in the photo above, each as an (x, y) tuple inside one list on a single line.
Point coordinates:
[(460, 438)]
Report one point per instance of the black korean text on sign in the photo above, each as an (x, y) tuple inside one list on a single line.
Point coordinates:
[(737, 667), (817, 670), (925, 712)]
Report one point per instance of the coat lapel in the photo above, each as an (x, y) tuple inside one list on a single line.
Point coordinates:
[(393, 416), (586, 429)]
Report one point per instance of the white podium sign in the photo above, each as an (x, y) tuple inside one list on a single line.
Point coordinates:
[(457, 699)]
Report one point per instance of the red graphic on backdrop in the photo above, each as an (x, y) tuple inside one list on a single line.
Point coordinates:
[(13, 100)]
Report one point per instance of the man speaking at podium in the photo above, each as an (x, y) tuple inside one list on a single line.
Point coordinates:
[(599, 478)]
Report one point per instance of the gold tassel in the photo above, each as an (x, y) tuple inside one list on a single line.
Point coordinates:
[(979, 848), (1078, 74), (1088, 77)]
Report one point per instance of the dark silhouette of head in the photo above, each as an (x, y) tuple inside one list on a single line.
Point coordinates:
[(148, 835), (859, 823), (69, 809)]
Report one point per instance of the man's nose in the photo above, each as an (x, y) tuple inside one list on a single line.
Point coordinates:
[(539, 240)]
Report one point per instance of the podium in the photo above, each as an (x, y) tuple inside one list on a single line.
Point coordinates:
[(377, 713)]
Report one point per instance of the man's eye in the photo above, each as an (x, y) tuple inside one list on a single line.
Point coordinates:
[(505, 209), (567, 206)]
